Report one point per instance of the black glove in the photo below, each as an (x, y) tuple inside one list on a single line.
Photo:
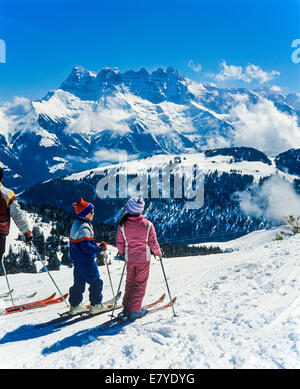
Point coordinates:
[(120, 257), (28, 237)]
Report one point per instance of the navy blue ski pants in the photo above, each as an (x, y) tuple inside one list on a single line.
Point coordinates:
[(86, 273)]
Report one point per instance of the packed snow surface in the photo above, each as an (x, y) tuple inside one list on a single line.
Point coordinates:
[(235, 310)]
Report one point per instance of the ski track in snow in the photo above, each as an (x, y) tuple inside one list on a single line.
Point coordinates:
[(235, 310)]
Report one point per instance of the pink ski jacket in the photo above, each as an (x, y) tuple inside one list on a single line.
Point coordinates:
[(135, 238)]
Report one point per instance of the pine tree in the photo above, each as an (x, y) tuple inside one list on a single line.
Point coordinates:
[(39, 241), (66, 260), (53, 261), (294, 223), (100, 260), (10, 263), (25, 264), (52, 243)]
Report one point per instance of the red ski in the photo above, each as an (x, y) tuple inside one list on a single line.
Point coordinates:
[(35, 304), (16, 307), (65, 316)]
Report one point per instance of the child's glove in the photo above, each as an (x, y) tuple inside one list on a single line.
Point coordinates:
[(103, 246), (28, 237)]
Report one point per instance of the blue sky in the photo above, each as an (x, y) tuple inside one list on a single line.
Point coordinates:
[(228, 42)]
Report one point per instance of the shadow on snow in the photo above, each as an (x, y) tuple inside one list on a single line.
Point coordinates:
[(26, 332), (83, 337)]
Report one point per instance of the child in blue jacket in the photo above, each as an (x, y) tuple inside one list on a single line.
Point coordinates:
[(83, 252)]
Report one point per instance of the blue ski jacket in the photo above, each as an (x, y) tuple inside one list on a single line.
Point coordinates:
[(83, 247)]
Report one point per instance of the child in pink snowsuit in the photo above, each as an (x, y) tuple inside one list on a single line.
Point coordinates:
[(136, 236)]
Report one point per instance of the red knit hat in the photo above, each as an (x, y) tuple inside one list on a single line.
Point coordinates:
[(83, 208)]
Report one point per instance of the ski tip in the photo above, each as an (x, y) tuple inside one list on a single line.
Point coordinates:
[(6, 294)]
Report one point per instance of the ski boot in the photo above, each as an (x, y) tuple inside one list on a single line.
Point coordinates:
[(97, 308), (76, 309), (137, 315)]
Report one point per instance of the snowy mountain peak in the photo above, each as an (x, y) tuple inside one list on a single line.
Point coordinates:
[(112, 75), (156, 87), (168, 73), (79, 79)]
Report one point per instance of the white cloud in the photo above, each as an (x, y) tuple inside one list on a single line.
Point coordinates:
[(11, 112), (196, 67), (249, 73), (253, 72), (274, 200), (18, 107), (104, 119), (264, 127), (217, 142), (113, 155), (275, 88)]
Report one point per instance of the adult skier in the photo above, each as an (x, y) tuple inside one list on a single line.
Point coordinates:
[(9, 207), (136, 236), (83, 251)]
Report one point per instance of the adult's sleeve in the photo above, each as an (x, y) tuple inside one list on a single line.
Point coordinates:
[(18, 215)]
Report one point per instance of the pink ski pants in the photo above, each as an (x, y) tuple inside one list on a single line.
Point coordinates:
[(136, 283)]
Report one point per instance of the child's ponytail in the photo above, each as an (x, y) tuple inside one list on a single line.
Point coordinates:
[(123, 219)]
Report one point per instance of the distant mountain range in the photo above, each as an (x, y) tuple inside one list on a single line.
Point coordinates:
[(93, 117)]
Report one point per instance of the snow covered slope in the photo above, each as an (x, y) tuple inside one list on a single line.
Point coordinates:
[(208, 162), (236, 310)]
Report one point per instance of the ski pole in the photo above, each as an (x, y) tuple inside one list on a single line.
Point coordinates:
[(9, 290), (111, 285), (119, 287), (41, 259), (160, 260)]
